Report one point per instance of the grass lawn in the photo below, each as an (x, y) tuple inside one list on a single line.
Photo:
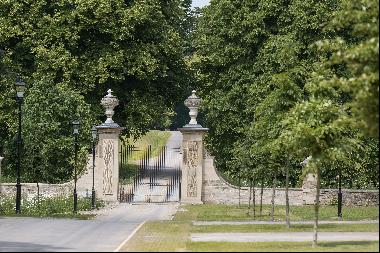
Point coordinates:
[(175, 235), (297, 213), (360, 246), (157, 139), (282, 228)]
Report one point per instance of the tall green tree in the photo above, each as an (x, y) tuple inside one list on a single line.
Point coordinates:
[(329, 124), (252, 59), (48, 143), (136, 48)]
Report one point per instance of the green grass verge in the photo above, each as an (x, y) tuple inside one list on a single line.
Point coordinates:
[(282, 228), (57, 207), (160, 236), (360, 246), (174, 236), (155, 138), (297, 213)]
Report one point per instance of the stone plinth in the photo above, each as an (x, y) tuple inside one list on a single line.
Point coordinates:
[(309, 189), (192, 164), (107, 162)]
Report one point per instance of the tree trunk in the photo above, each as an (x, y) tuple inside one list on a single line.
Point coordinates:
[(261, 197), (273, 196), (287, 197), (316, 209)]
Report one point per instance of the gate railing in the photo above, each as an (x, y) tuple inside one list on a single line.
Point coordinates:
[(149, 178)]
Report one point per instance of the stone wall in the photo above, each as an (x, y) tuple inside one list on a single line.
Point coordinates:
[(217, 191), (84, 186), (30, 190)]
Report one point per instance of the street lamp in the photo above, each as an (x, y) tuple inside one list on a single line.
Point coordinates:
[(340, 195), (20, 87), (94, 135), (76, 125)]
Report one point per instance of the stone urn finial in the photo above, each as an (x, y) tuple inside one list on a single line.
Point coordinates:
[(193, 103), (109, 102)]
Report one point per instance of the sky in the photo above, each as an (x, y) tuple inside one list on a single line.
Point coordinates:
[(200, 3)]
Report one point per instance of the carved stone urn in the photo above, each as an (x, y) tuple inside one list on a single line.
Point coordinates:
[(193, 103), (109, 102)]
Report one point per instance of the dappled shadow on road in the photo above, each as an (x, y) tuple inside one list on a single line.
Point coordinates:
[(28, 247)]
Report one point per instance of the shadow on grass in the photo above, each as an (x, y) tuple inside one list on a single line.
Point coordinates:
[(348, 243)]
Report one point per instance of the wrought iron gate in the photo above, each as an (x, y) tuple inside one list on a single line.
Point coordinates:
[(150, 175)]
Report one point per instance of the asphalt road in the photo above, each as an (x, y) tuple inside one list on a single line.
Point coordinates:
[(105, 233)]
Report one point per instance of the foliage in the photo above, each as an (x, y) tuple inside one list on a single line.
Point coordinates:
[(47, 207), (265, 67), (136, 48), (47, 134), (356, 50), (253, 60)]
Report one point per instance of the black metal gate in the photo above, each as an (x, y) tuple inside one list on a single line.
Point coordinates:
[(150, 175)]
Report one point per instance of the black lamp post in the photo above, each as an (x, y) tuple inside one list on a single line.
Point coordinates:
[(20, 89), (340, 195), (76, 125), (94, 135)]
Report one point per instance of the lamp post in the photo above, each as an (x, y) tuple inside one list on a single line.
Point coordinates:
[(340, 195), (94, 135), (76, 125), (20, 87)]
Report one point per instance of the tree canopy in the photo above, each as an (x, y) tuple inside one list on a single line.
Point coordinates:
[(136, 48), (259, 65)]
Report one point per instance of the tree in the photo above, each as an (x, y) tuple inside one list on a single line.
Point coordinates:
[(357, 50), (136, 48), (325, 125), (316, 130), (253, 59), (48, 134)]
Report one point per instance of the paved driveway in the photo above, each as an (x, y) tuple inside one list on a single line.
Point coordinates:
[(105, 233)]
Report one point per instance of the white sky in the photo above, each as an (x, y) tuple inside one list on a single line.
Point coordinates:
[(200, 3)]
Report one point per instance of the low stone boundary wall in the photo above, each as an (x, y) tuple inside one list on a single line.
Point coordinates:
[(217, 191), (350, 197), (30, 190)]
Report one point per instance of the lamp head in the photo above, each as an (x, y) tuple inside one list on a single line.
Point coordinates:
[(20, 87), (76, 125), (94, 132)]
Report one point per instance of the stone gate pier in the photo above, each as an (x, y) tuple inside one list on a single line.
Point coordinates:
[(193, 155), (107, 153)]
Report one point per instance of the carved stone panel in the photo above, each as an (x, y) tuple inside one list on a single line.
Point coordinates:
[(192, 166), (109, 160)]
